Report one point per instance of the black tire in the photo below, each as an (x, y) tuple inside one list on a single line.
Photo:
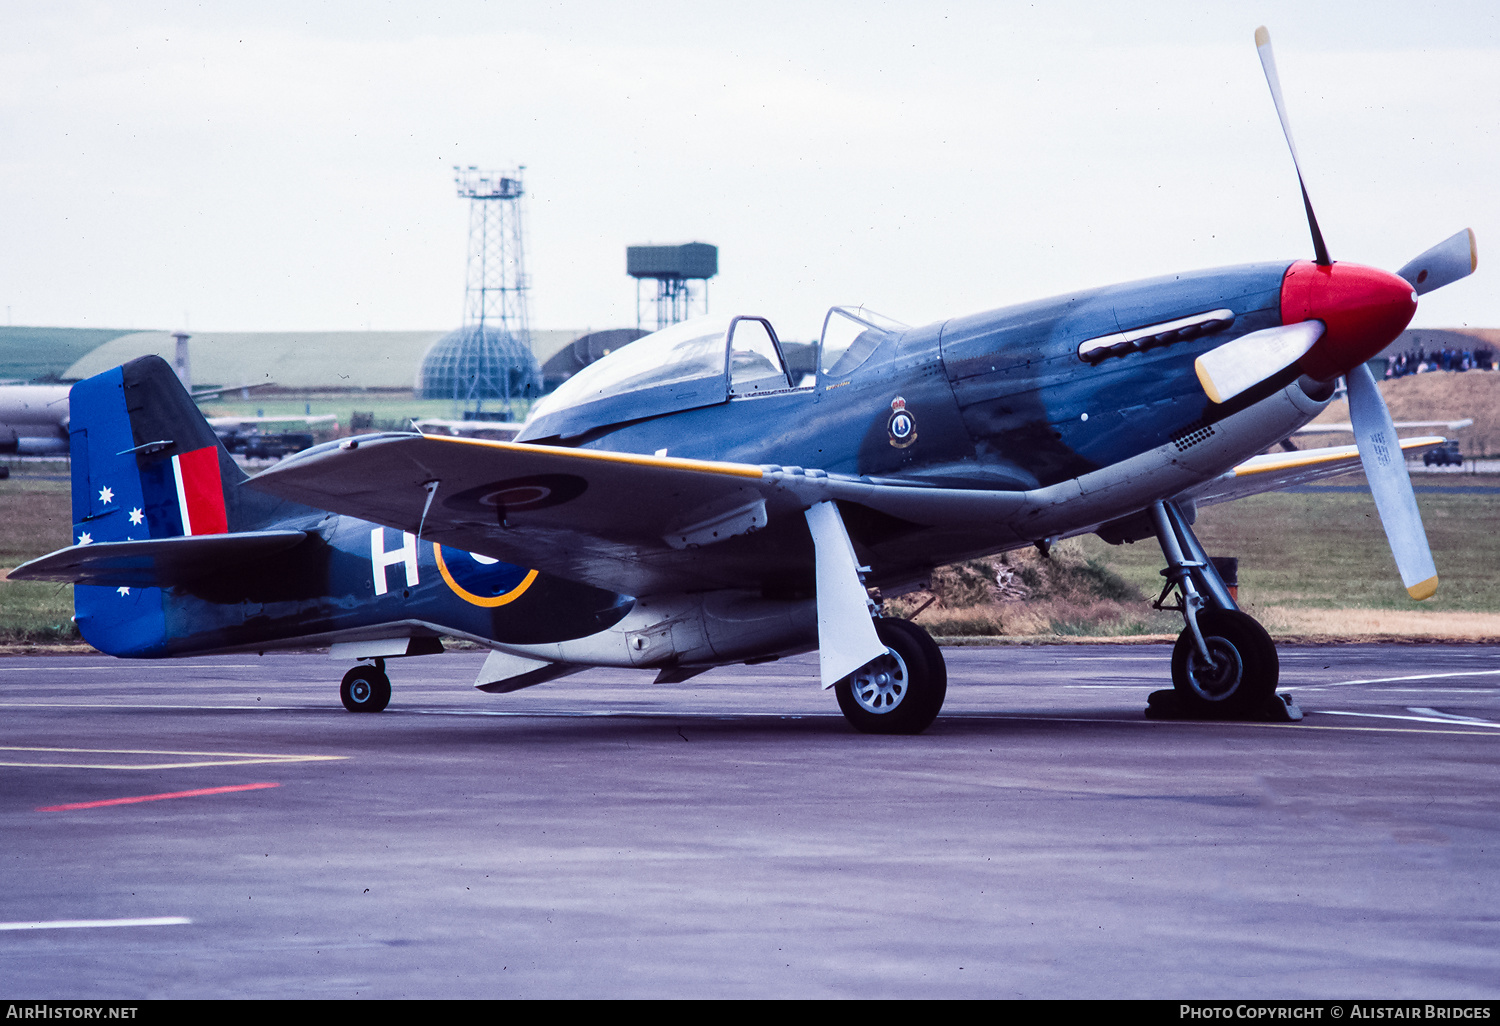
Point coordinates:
[(935, 661), (365, 689), (1243, 676), (901, 692)]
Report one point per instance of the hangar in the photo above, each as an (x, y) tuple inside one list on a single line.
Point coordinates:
[(315, 360)]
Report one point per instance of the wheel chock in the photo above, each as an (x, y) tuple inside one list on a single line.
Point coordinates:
[(1167, 705)]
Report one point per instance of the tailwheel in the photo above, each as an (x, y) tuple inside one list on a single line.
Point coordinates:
[(902, 691), (1239, 679), (365, 689)]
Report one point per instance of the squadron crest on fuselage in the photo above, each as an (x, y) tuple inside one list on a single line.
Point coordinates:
[(902, 426)]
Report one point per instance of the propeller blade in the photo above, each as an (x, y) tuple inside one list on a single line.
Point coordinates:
[(1268, 62), (1443, 264), (1385, 468), (1227, 370)]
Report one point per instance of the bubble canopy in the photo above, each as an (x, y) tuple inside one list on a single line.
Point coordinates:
[(700, 362), (678, 355)]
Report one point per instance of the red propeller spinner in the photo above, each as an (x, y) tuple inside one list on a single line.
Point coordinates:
[(1363, 309)]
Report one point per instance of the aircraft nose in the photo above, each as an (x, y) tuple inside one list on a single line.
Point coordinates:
[(1364, 309)]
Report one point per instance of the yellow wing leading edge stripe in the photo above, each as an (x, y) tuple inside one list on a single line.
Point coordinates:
[(629, 458), (1291, 461)]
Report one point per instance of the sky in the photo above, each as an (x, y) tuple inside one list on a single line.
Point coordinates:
[(279, 166)]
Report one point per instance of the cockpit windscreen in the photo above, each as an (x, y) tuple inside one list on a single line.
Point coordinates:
[(684, 352)]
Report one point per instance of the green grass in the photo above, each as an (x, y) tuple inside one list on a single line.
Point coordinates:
[(36, 513), (38, 519), (32, 613), (1328, 550)]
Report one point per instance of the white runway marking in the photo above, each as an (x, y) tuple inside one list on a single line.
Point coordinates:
[(50, 758), (1440, 718), (89, 924), (94, 664), (163, 705), (1413, 676), (1416, 691), (1454, 717)]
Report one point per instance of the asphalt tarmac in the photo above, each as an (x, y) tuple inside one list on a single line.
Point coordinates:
[(731, 837)]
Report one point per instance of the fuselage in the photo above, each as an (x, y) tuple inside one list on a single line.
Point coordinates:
[(1000, 399)]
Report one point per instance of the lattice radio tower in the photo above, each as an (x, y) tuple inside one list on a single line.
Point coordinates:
[(495, 292)]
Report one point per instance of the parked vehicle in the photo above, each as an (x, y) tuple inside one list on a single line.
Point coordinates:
[(258, 446), (1445, 455)]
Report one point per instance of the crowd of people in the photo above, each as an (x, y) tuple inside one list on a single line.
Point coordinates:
[(1420, 361)]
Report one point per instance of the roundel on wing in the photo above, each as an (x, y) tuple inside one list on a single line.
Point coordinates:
[(480, 580), (519, 494)]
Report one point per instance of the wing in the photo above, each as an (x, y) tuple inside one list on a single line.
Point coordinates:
[(1274, 471), (628, 522)]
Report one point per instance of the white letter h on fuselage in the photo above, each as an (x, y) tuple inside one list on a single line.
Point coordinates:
[(380, 559)]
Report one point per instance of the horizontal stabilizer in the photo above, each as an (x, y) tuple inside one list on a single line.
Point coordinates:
[(154, 562)]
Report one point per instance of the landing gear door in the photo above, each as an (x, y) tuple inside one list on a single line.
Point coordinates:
[(754, 361)]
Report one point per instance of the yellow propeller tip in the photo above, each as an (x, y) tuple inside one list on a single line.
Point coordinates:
[(1262, 37), (1206, 380), (1424, 589)]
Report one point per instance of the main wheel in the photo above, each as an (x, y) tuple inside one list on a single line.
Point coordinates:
[(900, 692), (1241, 677), (365, 689)]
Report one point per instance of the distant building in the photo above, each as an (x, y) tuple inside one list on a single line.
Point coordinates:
[(307, 360), (478, 364)]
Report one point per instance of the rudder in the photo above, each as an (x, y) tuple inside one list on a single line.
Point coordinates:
[(146, 464)]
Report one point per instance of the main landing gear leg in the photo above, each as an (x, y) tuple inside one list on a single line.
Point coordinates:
[(366, 688), (1224, 665), (902, 691)]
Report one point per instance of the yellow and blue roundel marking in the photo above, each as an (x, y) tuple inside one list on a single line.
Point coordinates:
[(480, 580)]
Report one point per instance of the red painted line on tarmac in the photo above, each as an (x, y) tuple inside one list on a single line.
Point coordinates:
[(154, 797)]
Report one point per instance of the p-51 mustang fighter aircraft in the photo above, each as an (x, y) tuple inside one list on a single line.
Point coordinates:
[(684, 503)]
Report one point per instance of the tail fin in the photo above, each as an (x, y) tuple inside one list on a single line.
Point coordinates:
[(146, 464)]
